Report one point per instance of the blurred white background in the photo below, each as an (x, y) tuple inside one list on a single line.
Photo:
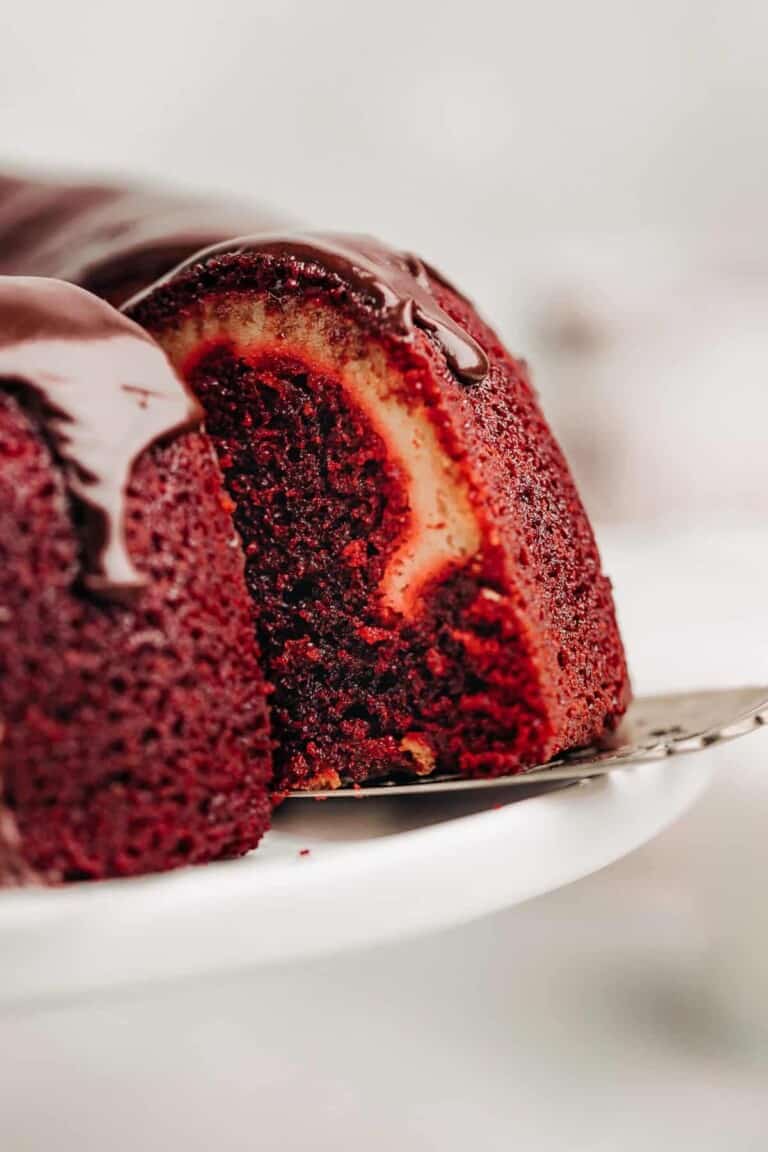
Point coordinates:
[(595, 175)]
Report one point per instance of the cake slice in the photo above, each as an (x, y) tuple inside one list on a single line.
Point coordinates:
[(133, 724), (427, 589)]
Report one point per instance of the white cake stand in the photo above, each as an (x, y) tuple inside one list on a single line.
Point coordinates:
[(335, 876)]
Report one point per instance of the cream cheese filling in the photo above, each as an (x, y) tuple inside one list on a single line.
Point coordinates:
[(442, 530)]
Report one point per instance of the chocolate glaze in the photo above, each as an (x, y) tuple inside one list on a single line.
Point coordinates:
[(112, 241), (399, 284), (117, 242), (104, 392)]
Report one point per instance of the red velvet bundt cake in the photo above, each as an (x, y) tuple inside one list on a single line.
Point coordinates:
[(427, 588), (133, 727), (426, 585)]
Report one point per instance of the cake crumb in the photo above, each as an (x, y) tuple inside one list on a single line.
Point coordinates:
[(324, 779), (417, 746)]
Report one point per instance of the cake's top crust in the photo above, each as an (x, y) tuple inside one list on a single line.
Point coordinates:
[(398, 283), (103, 392)]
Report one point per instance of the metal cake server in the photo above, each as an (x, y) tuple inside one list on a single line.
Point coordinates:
[(654, 727)]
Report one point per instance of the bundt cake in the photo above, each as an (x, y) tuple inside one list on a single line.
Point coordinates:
[(133, 723), (426, 587)]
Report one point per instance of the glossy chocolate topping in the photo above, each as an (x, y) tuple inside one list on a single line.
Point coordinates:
[(112, 241), (15, 872), (103, 392), (399, 284)]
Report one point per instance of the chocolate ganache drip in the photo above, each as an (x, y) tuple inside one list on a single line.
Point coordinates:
[(399, 284), (104, 392)]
